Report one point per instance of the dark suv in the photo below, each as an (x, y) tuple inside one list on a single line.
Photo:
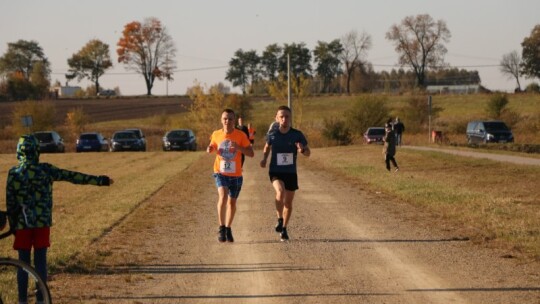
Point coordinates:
[(181, 139), (50, 141), (140, 135), (126, 141), (493, 131)]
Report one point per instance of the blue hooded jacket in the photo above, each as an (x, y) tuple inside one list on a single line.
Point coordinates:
[(29, 186)]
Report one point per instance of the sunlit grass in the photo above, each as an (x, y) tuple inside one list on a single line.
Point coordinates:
[(498, 201), (457, 110), (82, 213)]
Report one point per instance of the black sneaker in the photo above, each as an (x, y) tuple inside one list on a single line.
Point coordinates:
[(228, 231), (221, 234), (279, 225), (284, 234)]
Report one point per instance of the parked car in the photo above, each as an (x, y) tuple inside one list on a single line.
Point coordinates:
[(50, 141), (374, 135), (140, 135), (126, 141), (181, 139), (92, 141), (107, 93), (488, 132)]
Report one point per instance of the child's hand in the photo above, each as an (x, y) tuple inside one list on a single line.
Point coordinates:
[(3, 220)]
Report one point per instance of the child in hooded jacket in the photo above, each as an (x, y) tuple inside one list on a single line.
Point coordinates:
[(29, 205)]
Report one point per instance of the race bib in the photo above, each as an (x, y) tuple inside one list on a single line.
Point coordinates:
[(226, 166), (285, 159)]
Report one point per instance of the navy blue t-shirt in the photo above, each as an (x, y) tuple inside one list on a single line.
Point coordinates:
[(284, 150)]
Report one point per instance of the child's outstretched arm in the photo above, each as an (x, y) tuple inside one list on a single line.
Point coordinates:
[(79, 178)]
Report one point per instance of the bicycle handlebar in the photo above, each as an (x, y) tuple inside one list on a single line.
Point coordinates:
[(3, 224)]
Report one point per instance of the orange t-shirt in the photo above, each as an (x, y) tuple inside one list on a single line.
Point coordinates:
[(251, 133), (228, 161)]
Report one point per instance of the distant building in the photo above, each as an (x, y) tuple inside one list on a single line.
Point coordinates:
[(454, 89), (67, 91)]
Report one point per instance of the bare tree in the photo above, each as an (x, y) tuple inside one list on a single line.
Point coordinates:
[(355, 48), (148, 49), (510, 66), (419, 43)]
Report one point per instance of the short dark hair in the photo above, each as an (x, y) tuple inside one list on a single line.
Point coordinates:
[(284, 108), (230, 111)]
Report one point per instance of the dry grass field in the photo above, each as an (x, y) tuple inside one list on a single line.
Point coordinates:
[(155, 115), (472, 193), (82, 213), (491, 202), (494, 204), (106, 109)]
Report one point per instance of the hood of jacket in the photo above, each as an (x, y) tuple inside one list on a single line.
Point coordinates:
[(28, 150)]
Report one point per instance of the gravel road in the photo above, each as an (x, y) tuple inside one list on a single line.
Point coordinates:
[(499, 157), (347, 246)]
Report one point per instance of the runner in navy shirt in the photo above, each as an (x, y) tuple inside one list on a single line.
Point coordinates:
[(284, 144)]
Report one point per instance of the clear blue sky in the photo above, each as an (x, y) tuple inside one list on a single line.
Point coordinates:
[(207, 33)]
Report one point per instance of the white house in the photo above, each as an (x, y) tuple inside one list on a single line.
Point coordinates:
[(67, 91)]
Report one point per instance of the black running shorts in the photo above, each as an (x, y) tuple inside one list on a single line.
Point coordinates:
[(289, 179)]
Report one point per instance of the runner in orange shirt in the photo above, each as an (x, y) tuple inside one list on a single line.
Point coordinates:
[(229, 144), (252, 132)]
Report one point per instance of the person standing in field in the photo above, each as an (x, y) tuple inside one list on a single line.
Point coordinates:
[(285, 144), (398, 128), (29, 206), (229, 144), (389, 148), (244, 129)]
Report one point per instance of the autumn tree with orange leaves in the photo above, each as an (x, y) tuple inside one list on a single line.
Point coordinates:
[(147, 49)]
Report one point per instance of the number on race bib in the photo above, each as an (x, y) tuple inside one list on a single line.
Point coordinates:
[(227, 166), (285, 159)]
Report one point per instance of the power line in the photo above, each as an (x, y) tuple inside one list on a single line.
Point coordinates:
[(175, 71), (226, 66), (441, 66)]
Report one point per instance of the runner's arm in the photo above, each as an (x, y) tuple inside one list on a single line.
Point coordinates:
[(303, 149), (247, 151), (306, 151), (266, 152)]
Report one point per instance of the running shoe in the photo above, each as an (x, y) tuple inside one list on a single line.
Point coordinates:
[(284, 235), (221, 234), (397, 169), (228, 231), (279, 225)]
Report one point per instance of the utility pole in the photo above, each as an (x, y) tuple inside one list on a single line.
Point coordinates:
[(429, 118), (289, 103)]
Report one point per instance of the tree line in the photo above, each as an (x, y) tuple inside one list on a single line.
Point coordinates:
[(338, 66), (144, 47)]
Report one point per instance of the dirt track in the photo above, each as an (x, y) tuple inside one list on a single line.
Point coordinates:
[(347, 246), (104, 109), (520, 160)]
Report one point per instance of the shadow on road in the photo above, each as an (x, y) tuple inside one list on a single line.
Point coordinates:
[(260, 296), (502, 289), (454, 239), (195, 268)]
